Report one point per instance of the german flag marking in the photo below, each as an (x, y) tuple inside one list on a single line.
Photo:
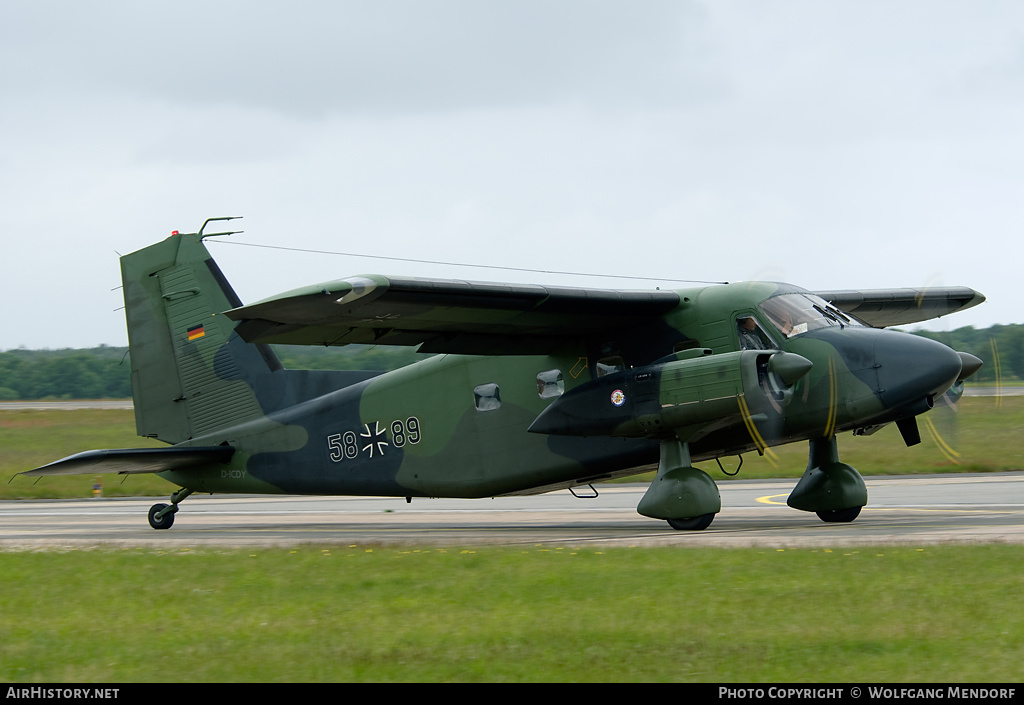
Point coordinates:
[(196, 332)]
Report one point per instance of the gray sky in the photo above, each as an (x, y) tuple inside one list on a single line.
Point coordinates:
[(832, 145)]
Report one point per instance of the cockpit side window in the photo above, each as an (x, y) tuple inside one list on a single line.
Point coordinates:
[(751, 335)]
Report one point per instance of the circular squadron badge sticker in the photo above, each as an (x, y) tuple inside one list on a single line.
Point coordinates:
[(618, 398)]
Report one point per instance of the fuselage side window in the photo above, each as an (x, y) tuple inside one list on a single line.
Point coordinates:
[(610, 365), (486, 397), (550, 384)]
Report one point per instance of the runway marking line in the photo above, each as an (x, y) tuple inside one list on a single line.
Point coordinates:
[(770, 499)]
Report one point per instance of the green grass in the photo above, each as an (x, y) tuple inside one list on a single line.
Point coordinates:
[(31, 438), (358, 613), (983, 435)]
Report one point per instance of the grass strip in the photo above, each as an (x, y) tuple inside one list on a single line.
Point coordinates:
[(537, 614)]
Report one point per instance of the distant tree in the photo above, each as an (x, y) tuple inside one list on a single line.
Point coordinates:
[(1000, 347), (94, 373), (1012, 351), (348, 357)]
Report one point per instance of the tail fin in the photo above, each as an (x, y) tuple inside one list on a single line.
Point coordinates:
[(191, 375)]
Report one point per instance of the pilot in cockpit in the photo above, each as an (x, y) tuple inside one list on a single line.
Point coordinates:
[(751, 335)]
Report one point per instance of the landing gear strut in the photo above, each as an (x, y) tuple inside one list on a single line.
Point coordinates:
[(831, 489), (161, 516), (681, 494)]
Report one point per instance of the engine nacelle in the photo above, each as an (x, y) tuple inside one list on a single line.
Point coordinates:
[(681, 393), (969, 364)]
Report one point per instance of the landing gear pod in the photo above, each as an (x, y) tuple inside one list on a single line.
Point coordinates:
[(686, 497), (681, 494), (833, 490)]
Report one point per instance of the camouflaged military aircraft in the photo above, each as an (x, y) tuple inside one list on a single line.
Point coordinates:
[(534, 388)]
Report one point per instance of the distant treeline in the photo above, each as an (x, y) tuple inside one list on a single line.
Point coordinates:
[(1000, 347), (103, 372)]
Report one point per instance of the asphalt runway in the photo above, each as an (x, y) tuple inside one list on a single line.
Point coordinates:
[(918, 510)]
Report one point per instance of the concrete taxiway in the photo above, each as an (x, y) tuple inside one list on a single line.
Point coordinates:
[(915, 510)]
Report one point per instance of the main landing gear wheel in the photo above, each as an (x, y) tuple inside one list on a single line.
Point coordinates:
[(164, 522), (166, 518), (693, 523), (837, 516)]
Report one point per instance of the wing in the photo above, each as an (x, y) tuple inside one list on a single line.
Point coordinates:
[(880, 308), (131, 461), (445, 315)]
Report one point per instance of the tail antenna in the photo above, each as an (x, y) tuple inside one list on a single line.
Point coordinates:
[(210, 220)]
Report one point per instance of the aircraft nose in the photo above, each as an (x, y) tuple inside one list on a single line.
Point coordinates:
[(911, 368)]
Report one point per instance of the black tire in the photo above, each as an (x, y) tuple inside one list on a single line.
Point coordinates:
[(693, 523), (837, 516), (164, 522)]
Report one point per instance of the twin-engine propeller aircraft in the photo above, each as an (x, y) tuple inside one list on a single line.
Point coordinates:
[(535, 388)]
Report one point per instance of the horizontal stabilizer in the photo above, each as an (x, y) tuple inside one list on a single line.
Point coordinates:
[(134, 461)]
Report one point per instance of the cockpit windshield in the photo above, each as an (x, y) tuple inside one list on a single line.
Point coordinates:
[(795, 314)]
